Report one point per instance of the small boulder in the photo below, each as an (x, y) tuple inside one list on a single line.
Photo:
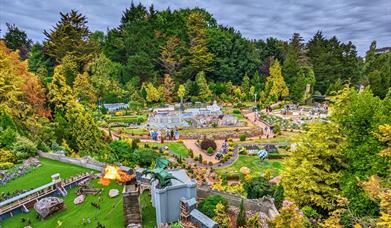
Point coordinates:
[(113, 193), (78, 200)]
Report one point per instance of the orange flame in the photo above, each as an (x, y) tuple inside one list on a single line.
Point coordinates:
[(111, 173)]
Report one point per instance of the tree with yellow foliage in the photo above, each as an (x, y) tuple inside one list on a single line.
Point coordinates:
[(312, 171), (290, 216), (60, 93), (275, 86), (84, 90), (153, 94), (221, 216)]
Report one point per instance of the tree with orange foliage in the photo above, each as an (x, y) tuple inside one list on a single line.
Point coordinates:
[(20, 91)]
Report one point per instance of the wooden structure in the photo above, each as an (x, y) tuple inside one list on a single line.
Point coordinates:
[(25, 201)]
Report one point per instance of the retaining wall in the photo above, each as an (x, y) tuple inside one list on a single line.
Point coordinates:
[(84, 162)]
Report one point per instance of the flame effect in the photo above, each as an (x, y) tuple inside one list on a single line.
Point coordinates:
[(111, 173)]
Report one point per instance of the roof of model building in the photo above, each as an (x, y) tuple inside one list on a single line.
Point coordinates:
[(189, 202), (205, 220), (181, 175)]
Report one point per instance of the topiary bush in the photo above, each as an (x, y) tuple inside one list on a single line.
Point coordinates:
[(206, 143), (242, 137), (24, 148), (210, 150), (236, 111)]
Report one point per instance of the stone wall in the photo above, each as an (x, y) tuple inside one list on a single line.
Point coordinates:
[(264, 205), (84, 162)]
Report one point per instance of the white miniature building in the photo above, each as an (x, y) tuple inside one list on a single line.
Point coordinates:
[(167, 200)]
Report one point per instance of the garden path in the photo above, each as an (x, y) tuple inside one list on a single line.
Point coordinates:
[(191, 144), (260, 124)]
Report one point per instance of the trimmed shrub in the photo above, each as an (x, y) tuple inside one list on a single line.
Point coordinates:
[(236, 111), (24, 148), (206, 143), (242, 137), (210, 150), (6, 156), (6, 165)]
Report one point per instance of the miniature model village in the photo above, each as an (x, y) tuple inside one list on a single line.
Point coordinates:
[(191, 169), (168, 119)]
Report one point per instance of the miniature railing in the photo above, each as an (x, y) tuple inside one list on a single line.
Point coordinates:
[(35, 194)]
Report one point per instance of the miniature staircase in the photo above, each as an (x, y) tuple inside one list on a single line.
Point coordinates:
[(131, 209)]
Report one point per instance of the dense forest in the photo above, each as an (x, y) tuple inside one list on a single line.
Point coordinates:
[(50, 94)]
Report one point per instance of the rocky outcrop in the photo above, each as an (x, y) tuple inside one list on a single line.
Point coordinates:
[(48, 206)]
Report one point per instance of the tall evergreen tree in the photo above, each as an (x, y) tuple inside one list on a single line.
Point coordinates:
[(16, 39), (200, 57), (70, 36), (204, 92)]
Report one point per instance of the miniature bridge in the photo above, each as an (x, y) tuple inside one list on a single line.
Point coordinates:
[(25, 201)]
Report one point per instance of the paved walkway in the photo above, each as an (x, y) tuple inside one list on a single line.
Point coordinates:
[(191, 145), (260, 124)]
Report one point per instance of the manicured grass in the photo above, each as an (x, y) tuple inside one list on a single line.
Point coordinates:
[(148, 212), (42, 175), (255, 165), (179, 149), (110, 214), (176, 147)]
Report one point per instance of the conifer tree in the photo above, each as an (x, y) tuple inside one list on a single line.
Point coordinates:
[(275, 85), (241, 219), (200, 57), (204, 92), (168, 89), (70, 36), (59, 92), (84, 90)]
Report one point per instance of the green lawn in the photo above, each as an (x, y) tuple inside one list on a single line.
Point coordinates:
[(41, 175), (110, 214), (179, 149), (176, 147), (148, 212), (253, 163)]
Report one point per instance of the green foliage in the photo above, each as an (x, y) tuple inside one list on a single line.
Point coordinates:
[(210, 150), (275, 87), (8, 137), (242, 137), (204, 92), (17, 39), (318, 159), (236, 111), (6, 165), (121, 149), (241, 219), (332, 60), (70, 36), (359, 115), (207, 143), (208, 205), (6, 156), (200, 57), (257, 187), (24, 148)]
